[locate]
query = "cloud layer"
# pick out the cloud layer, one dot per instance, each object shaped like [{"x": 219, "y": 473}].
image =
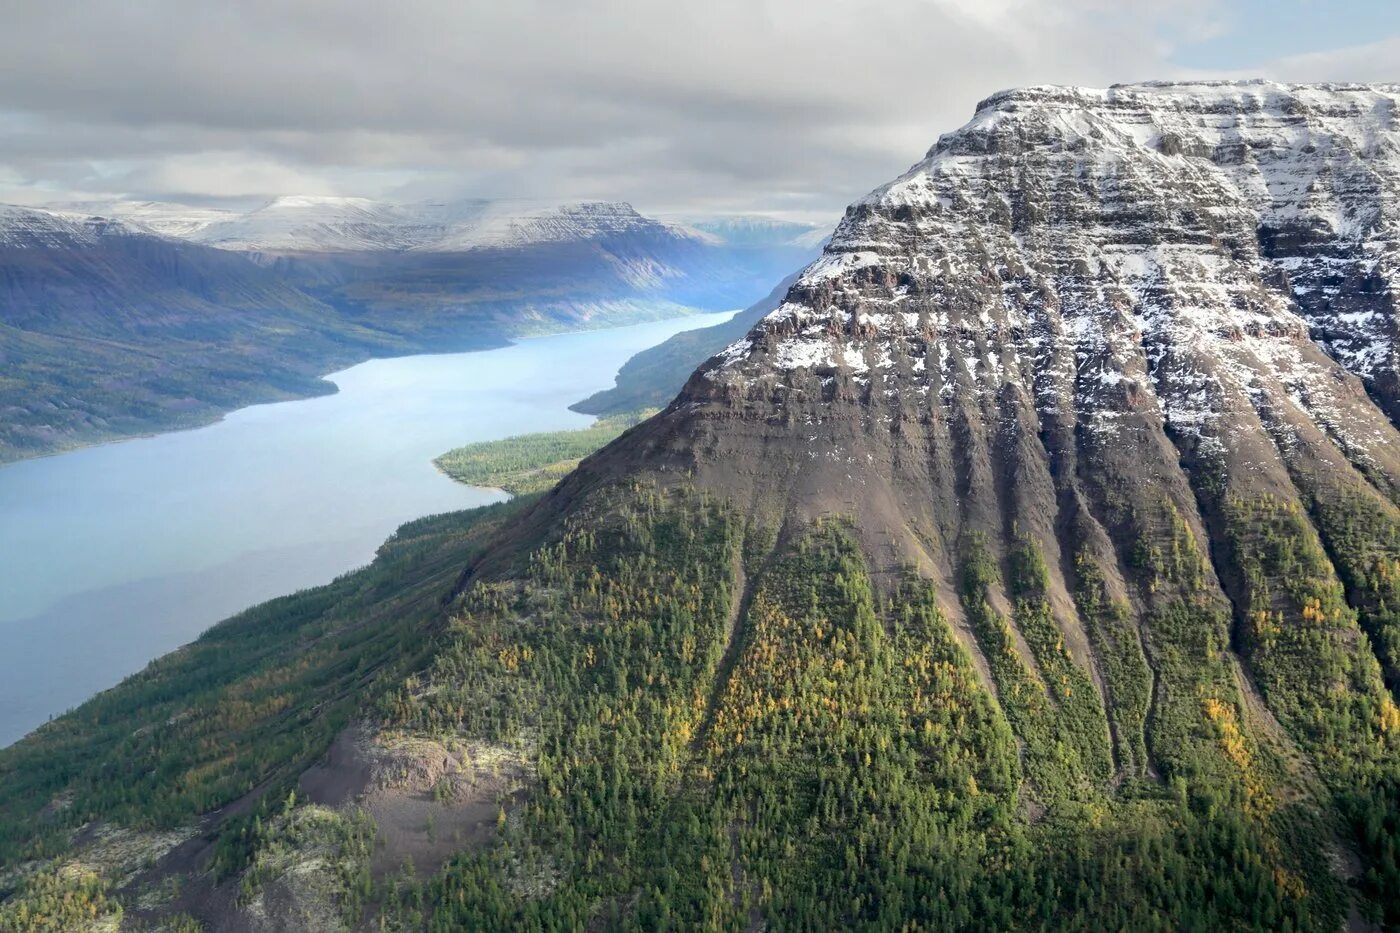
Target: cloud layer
[{"x": 790, "y": 106}]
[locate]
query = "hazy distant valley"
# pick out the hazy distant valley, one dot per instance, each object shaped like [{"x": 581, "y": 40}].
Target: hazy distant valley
[{"x": 121, "y": 318}]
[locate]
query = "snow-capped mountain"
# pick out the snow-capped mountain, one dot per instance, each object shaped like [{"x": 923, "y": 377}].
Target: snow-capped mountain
[
  {"x": 35, "y": 228},
  {"x": 108, "y": 328},
  {"x": 162, "y": 217},
  {"x": 1209, "y": 246},
  {"x": 190, "y": 311},
  {"x": 506, "y": 224},
  {"x": 328, "y": 224},
  {"x": 303, "y": 223},
  {"x": 73, "y": 275},
  {"x": 1150, "y": 331}
]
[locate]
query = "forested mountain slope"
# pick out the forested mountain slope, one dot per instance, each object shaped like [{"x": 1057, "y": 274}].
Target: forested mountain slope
[{"x": 108, "y": 329}]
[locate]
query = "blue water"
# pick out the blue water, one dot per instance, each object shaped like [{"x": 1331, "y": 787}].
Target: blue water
[{"x": 113, "y": 555}]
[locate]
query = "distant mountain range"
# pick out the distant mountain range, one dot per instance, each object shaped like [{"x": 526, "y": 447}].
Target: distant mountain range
[
  {"x": 327, "y": 224},
  {"x": 123, "y": 317}
]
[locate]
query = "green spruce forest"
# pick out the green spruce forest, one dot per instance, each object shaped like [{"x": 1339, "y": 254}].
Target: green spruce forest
[
  {"x": 530, "y": 463},
  {"x": 728, "y": 727}
]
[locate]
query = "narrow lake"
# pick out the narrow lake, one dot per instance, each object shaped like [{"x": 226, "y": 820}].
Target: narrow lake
[{"x": 113, "y": 555}]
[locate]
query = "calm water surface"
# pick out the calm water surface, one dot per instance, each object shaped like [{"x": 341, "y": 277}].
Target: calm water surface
[{"x": 113, "y": 555}]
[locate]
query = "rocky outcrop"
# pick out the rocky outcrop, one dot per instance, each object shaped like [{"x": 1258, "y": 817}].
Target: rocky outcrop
[
  {"x": 1122, "y": 291},
  {"x": 1166, "y": 267}
]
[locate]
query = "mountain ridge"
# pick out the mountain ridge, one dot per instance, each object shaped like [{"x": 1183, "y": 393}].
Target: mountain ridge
[
  {"x": 333, "y": 223},
  {"x": 293, "y": 224}
]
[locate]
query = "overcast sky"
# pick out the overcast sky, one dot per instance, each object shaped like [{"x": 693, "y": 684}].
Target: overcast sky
[{"x": 789, "y": 107}]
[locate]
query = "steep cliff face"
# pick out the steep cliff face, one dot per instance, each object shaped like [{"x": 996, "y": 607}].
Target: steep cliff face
[
  {"x": 1114, "y": 371},
  {"x": 1081, "y": 306},
  {"x": 1180, "y": 269}
]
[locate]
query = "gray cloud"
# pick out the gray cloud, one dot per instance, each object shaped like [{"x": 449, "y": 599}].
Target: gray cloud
[
  {"x": 1372, "y": 61},
  {"x": 790, "y": 105}
]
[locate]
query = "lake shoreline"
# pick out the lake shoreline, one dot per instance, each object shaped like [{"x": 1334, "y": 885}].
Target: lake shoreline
[
  {"x": 125, "y": 550},
  {"x": 218, "y": 415}
]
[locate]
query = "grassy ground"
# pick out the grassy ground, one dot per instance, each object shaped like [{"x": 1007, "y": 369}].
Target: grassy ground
[{"x": 531, "y": 463}]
